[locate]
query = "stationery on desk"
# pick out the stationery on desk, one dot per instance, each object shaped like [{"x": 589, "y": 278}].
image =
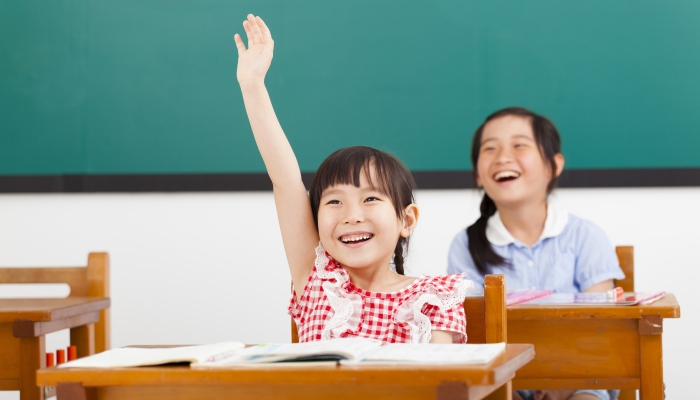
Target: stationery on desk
[
  {"x": 597, "y": 298},
  {"x": 346, "y": 351}
]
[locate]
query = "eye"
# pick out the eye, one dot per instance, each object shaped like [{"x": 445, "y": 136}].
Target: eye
[
  {"x": 333, "y": 202},
  {"x": 489, "y": 148},
  {"x": 371, "y": 198}
]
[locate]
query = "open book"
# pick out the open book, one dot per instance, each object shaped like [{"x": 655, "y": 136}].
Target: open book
[
  {"x": 139, "y": 357},
  {"x": 363, "y": 351},
  {"x": 351, "y": 350}
]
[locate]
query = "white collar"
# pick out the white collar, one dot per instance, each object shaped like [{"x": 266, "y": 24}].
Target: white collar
[{"x": 555, "y": 223}]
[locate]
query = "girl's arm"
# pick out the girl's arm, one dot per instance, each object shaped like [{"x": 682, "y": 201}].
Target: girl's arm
[
  {"x": 299, "y": 234},
  {"x": 601, "y": 287},
  {"x": 444, "y": 337}
]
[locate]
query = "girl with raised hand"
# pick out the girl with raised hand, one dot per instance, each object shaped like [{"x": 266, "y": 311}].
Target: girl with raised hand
[
  {"x": 516, "y": 156},
  {"x": 358, "y": 216}
]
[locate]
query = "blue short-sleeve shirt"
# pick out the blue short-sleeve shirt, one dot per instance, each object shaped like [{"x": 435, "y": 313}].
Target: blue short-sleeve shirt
[{"x": 571, "y": 255}]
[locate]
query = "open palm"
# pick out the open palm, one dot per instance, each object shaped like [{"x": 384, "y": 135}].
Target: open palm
[{"x": 254, "y": 62}]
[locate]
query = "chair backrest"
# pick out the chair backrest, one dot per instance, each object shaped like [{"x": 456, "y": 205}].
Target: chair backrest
[
  {"x": 625, "y": 255},
  {"x": 486, "y": 315},
  {"x": 87, "y": 281}
]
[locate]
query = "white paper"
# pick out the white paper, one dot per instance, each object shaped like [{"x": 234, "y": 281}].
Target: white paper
[
  {"x": 133, "y": 356},
  {"x": 427, "y": 353}
]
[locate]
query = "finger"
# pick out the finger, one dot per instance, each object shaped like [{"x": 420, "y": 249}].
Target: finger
[
  {"x": 239, "y": 44},
  {"x": 248, "y": 33},
  {"x": 256, "y": 29},
  {"x": 263, "y": 27}
]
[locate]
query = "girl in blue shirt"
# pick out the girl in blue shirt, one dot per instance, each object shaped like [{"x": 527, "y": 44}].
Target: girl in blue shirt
[{"x": 516, "y": 156}]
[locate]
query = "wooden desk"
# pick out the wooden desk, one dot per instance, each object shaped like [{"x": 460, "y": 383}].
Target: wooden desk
[
  {"x": 290, "y": 382},
  {"x": 598, "y": 347},
  {"x": 23, "y": 324}
]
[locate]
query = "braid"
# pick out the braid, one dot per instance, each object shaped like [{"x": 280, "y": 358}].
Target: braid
[
  {"x": 479, "y": 246},
  {"x": 398, "y": 255}
]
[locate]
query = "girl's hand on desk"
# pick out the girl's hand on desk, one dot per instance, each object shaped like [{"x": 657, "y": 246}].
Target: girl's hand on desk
[{"x": 254, "y": 62}]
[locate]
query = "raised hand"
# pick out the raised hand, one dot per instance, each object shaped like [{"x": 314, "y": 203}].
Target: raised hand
[{"x": 254, "y": 62}]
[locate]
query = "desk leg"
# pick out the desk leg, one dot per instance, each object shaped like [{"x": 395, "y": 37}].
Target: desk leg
[
  {"x": 83, "y": 337},
  {"x": 70, "y": 391},
  {"x": 32, "y": 358},
  {"x": 504, "y": 392},
  {"x": 651, "y": 358}
]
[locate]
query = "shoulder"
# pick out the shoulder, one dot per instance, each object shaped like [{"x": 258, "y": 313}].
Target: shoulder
[
  {"x": 459, "y": 248},
  {"x": 445, "y": 284},
  {"x": 461, "y": 240},
  {"x": 584, "y": 232}
]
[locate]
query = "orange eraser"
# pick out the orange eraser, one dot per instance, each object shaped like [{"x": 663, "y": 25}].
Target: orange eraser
[
  {"x": 60, "y": 356},
  {"x": 49, "y": 360},
  {"x": 72, "y": 353}
]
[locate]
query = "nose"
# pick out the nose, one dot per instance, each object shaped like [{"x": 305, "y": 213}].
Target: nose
[
  {"x": 504, "y": 155},
  {"x": 353, "y": 214}
]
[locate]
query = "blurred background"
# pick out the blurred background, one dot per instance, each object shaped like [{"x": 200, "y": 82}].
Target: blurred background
[{"x": 122, "y": 129}]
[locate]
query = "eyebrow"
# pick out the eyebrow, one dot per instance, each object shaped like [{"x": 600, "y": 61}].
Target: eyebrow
[
  {"x": 523, "y": 136},
  {"x": 333, "y": 192},
  {"x": 518, "y": 136}
]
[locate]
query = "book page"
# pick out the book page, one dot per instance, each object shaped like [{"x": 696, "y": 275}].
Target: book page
[
  {"x": 351, "y": 348},
  {"x": 134, "y": 356},
  {"x": 427, "y": 353}
]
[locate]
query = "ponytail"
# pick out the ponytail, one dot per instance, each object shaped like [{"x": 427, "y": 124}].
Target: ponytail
[
  {"x": 398, "y": 255},
  {"x": 479, "y": 246}
]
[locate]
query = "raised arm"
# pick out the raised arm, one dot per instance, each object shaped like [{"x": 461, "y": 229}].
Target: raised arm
[{"x": 299, "y": 234}]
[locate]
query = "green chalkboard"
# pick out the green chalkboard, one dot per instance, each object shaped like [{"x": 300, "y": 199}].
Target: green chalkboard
[{"x": 149, "y": 87}]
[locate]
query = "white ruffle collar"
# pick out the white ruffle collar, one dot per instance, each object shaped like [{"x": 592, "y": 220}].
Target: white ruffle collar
[
  {"x": 497, "y": 233},
  {"x": 347, "y": 307}
]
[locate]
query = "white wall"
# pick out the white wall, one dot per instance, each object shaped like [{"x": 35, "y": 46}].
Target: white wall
[{"x": 206, "y": 267}]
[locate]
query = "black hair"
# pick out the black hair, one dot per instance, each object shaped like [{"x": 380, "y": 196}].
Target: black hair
[
  {"x": 549, "y": 143},
  {"x": 393, "y": 179}
]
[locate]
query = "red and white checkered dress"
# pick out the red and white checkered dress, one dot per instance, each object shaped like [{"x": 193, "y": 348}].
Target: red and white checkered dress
[{"x": 333, "y": 307}]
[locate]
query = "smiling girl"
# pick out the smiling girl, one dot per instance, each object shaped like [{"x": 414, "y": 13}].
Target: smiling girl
[
  {"x": 358, "y": 216},
  {"x": 516, "y": 155}
]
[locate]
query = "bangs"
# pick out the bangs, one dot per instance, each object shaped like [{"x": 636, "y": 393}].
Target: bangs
[
  {"x": 384, "y": 173},
  {"x": 348, "y": 172}
]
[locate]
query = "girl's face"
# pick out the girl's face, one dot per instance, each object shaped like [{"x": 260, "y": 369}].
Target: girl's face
[
  {"x": 358, "y": 226},
  {"x": 511, "y": 168}
]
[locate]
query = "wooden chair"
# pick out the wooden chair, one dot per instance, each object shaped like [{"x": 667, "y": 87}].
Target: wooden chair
[
  {"x": 89, "y": 281},
  {"x": 625, "y": 255},
  {"x": 486, "y": 321}
]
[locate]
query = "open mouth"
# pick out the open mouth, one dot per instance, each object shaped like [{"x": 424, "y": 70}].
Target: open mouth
[
  {"x": 356, "y": 237},
  {"x": 505, "y": 176}
]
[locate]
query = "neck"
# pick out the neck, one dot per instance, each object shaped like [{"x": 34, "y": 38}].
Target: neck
[
  {"x": 378, "y": 278},
  {"x": 525, "y": 221}
]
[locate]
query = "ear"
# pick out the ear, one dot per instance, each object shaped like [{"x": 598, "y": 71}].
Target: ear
[
  {"x": 559, "y": 162},
  {"x": 410, "y": 220},
  {"x": 478, "y": 180}
]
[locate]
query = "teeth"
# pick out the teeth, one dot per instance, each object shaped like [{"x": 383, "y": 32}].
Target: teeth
[
  {"x": 355, "y": 238},
  {"x": 506, "y": 175}
]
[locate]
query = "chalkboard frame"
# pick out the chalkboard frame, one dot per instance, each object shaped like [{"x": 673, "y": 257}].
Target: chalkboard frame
[{"x": 238, "y": 182}]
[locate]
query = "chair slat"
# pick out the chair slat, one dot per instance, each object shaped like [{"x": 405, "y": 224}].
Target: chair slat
[
  {"x": 73, "y": 276},
  {"x": 625, "y": 255}
]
